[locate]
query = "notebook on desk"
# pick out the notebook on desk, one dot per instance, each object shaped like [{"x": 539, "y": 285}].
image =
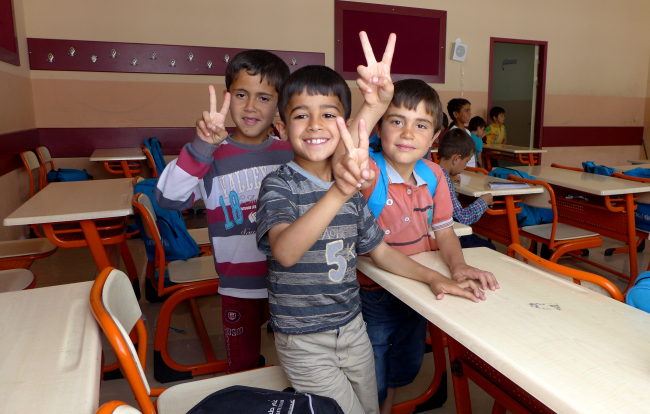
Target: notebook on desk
[{"x": 504, "y": 184}]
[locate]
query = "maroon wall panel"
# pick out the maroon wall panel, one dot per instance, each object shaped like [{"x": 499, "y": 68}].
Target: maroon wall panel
[
  {"x": 125, "y": 52},
  {"x": 592, "y": 136},
  {"x": 8, "y": 41},
  {"x": 12, "y": 144},
  {"x": 421, "y": 37},
  {"x": 81, "y": 142}
]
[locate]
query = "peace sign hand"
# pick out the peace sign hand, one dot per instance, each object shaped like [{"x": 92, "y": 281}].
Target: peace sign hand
[
  {"x": 211, "y": 127},
  {"x": 351, "y": 172},
  {"x": 374, "y": 79}
]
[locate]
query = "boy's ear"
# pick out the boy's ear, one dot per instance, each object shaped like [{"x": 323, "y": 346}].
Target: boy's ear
[
  {"x": 282, "y": 130},
  {"x": 277, "y": 113},
  {"x": 349, "y": 122},
  {"x": 435, "y": 136}
]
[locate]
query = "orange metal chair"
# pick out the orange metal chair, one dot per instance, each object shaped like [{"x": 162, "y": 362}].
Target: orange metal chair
[
  {"x": 31, "y": 163},
  {"x": 475, "y": 169},
  {"x": 152, "y": 164},
  {"x": 576, "y": 275},
  {"x": 190, "y": 279},
  {"x": 560, "y": 237},
  {"x": 44, "y": 158},
  {"x": 116, "y": 310},
  {"x": 567, "y": 168},
  {"x": 117, "y": 407}
]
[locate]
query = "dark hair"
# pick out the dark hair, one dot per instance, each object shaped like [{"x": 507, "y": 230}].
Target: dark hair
[
  {"x": 445, "y": 121},
  {"x": 456, "y": 141},
  {"x": 410, "y": 92},
  {"x": 258, "y": 62},
  {"x": 455, "y": 105},
  {"x": 476, "y": 123},
  {"x": 496, "y": 111},
  {"x": 316, "y": 80}
]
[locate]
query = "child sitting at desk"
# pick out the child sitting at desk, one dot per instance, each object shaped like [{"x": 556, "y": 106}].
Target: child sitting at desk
[
  {"x": 456, "y": 148},
  {"x": 312, "y": 223},
  {"x": 496, "y": 132},
  {"x": 460, "y": 112},
  {"x": 477, "y": 132}
]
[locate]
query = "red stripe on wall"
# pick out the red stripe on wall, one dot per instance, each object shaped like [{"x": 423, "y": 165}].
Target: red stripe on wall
[
  {"x": 12, "y": 144},
  {"x": 579, "y": 136}
]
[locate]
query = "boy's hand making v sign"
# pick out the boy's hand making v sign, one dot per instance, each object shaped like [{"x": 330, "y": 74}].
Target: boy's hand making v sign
[
  {"x": 347, "y": 178},
  {"x": 211, "y": 127}
]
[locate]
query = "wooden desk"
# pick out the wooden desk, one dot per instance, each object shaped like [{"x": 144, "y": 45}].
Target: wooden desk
[
  {"x": 586, "y": 201},
  {"x": 459, "y": 229},
  {"x": 119, "y": 160},
  {"x": 499, "y": 222},
  {"x": 512, "y": 153},
  {"x": 639, "y": 161},
  {"x": 50, "y": 351},
  {"x": 83, "y": 202},
  {"x": 574, "y": 350}
]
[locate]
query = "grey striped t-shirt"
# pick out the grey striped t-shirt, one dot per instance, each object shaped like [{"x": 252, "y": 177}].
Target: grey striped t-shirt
[{"x": 320, "y": 292}]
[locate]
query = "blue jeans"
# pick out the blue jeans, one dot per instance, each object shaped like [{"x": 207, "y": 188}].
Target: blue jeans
[{"x": 397, "y": 334}]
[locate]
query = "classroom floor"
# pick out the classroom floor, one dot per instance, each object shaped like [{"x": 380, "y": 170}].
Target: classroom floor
[{"x": 77, "y": 265}]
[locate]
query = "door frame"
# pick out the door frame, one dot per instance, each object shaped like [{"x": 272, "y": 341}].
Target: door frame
[{"x": 541, "y": 83}]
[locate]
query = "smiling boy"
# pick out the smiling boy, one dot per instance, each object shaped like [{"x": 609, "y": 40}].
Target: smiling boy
[{"x": 226, "y": 171}]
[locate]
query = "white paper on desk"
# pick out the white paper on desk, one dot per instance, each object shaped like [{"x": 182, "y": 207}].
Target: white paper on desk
[
  {"x": 503, "y": 184},
  {"x": 464, "y": 180}
]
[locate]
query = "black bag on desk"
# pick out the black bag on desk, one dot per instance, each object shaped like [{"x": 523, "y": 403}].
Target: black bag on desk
[{"x": 246, "y": 400}]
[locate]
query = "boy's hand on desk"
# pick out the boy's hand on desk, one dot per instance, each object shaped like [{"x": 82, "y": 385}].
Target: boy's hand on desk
[
  {"x": 374, "y": 80},
  {"x": 351, "y": 172},
  {"x": 211, "y": 127},
  {"x": 464, "y": 272},
  {"x": 467, "y": 289}
]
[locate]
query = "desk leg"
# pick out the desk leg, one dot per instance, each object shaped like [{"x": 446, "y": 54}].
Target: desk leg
[
  {"x": 459, "y": 379},
  {"x": 631, "y": 242},
  {"x": 512, "y": 219},
  {"x": 95, "y": 244},
  {"x": 125, "y": 167}
]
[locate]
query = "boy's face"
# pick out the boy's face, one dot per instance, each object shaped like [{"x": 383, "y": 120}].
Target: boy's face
[
  {"x": 480, "y": 132},
  {"x": 464, "y": 115},
  {"x": 253, "y": 105},
  {"x": 459, "y": 164},
  {"x": 500, "y": 119},
  {"x": 406, "y": 135},
  {"x": 311, "y": 126}
]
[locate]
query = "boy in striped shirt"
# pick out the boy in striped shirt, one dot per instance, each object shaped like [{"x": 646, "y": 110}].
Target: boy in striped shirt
[{"x": 226, "y": 171}]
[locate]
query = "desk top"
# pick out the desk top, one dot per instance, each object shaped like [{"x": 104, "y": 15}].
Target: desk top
[
  {"x": 575, "y": 350},
  {"x": 459, "y": 229},
  {"x": 117, "y": 154},
  {"x": 50, "y": 351},
  {"x": 475, "y": 184},
  {"x": 513, "y": 149},
  {"x": 76, "y": 200},
  {"x": 623, "y": 168},
  {"x": 639, "y": 161},
  {"x": 586, "y": 182}
]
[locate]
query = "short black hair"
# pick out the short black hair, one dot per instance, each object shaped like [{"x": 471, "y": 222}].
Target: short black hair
[
  {"x": 455, "y": 105},
  {"x": 496, "y": 111},
  {"x": 258, "y": 62},
  {"x": 445, "y": 121},
  {"x": 410, "y": 92},
  {"x": 476, "y": 123},
  {"x": 456, "y": 141},
  {"x": 316, "y": 80}
]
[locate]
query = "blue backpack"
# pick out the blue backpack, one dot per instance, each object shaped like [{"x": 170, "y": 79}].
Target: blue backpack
[
  {"x": 529, "y": 216},
  {"x": 68, "y": 174},
  {"x": 639, "y": 295},
  {"x": 590, "y": 167},
  {"x": 177, "y": 242},
  {"x": 642, "y": 213},
  {"x": 153, "y": 144},
  {"x": 379, "y": 196}
]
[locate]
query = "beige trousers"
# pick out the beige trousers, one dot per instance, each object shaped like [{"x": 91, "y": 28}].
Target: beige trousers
[{"x": 338, "y": 364}]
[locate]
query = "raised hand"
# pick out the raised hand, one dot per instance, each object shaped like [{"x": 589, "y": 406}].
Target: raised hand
[
  {"x": 375, "y": 82},
  {"x": 211, "y": 127},
  {"x": 351, "y": 171}
]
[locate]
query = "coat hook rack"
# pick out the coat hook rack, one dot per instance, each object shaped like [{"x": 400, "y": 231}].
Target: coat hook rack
[
  {"x": 71, "y": 51},
  {"x": 113, "y": 53},
  {"x": 50, "y": 57}
]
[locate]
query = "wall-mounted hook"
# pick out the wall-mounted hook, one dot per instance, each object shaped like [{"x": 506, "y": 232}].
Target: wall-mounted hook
[
  {"x": 93, "y": 58},
  {"x": 226, "y": 58},
  {"x": 50, "y": 57},
  {"x": 113, "y": 53},
  {"x": 172, "y": 63},
  {"x": 152, "y": 55},
  {"x": 134, "y": 62},
  {"x": 71, "y": 51},
  {"x": 209, "y": 64},
  {"x": 293, "y": 62},
  {"x": 190, "y": 57}
]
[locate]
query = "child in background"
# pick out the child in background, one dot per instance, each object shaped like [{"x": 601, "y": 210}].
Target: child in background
[
  {"x": 456, "y": 149},
  {"x": 312, "y": 225},
  {"x": 226, "y": 171},
  {"x": 496, "y": 132},
  {"x": 460, "y": 112},
  {"x": 477, "y": 132}
]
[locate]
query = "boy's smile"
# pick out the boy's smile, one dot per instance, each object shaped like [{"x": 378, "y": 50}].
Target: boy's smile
[
  {"x": 311, "y": 128},
  {"x": 252, "y": 107},
  {"x": 464, "y": 115}
]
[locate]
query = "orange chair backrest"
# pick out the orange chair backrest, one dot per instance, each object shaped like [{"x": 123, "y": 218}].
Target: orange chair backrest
[
  {"x": 116, "y": 309},
  {"x": 44, "y": 157},
  {"x": 567, "y": 271},
  {"x": 31, "y": 163},
  {"x": 476, "y": 169},
  {"x": 152, "y": 164}
]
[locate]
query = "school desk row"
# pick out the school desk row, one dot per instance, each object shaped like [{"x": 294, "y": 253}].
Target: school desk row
[{"x": 571, "y": 349}]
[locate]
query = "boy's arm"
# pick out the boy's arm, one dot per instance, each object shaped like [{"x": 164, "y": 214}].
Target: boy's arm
[
  {"x": 178, "y": 186},
  {"x": 505, "y": 137},
  {"x": 465, "y": 215},
  {"x": 396, "y": 262}
]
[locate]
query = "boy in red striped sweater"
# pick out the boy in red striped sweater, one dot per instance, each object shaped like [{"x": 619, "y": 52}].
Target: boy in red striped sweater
[{"x": 226, "y": 171}]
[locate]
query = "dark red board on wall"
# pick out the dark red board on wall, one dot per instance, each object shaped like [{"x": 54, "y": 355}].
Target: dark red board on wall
[
  {"x": 421, "y": 39},
  {"x": 8, "y": 41}
]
